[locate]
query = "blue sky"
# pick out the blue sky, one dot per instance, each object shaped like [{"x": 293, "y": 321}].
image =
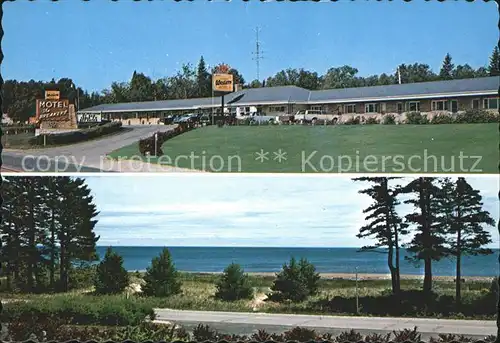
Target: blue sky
[
  {"x": 242, "y": 210},
  {"x": 98, "y": 42}
]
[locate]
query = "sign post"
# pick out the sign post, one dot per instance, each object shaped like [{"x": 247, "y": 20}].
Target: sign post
[
  {"x": 222, "y": 83},
  {"x": 156, "y": 144}
]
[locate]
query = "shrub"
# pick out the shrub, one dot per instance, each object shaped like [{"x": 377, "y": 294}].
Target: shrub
[
  {"x": 111, "y": 277},
  {"x": 161, "y": 279},
  {"x": 371, "y": 121},
  {"x": 407, "y": 335},
  {"x": 389, "y": 120},
  {"x": 233, "y": 284},
  {"x": 476, "y": 117},
  {"x": 349, "y": 336},
  {"x": 442, "y": 119},
  {"x": 202, "y": 333},
  {"x": 82, "y": 310},
  {"x": 352, "y": 121},
  {"x": 416, "y": 118},
  {"x": 76, "y": 136},
  {"x": 82, "y": 276},
  {"x": 147, "y": 145},
  {"x": 295, "y": 282},
  {"x": 299, "y": 334}
]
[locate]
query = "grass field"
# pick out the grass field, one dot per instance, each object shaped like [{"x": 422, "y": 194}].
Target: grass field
[
  {"x": 457, "y": 148},
  {"x": 198, "y": 294}
]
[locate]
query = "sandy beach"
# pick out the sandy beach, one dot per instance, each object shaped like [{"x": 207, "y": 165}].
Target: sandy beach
[{"x": 364, "y": 276}]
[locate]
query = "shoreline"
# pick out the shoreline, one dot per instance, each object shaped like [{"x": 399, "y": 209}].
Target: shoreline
[{"x": 352, "y": 276}]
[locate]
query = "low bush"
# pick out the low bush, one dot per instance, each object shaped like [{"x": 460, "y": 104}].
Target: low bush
[
  {"x": 147, "y": 145},
  {"x": 476, "y": 117},
  {"x": 442, "y": 119},
  {"x": 81, "y": 310},
  {"x": 77, "y": 136},
  {"x": 389, "y": 120},
  {"x": 352, "y": 121},
  {"x": 14, "y": 129},
  {"x": 233, "y": 284},
  {"x": 416, "y": 118},
  {"x": 371, "y": 121}
]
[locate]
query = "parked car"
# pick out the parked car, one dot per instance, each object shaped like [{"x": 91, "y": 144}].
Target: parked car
[
  {"x": 261, "y": 118},
  {"x": 311, "y": 115}
]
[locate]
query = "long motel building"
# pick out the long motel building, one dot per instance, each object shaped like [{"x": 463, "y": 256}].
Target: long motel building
[{"x": 430, "y": 98}]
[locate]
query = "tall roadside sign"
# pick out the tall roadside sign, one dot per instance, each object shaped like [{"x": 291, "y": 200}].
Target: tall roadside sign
[{"x": 222, "y": 82}]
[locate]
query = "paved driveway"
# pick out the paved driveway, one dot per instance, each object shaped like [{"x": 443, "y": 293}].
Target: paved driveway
[{"x": 83, "y": 157}]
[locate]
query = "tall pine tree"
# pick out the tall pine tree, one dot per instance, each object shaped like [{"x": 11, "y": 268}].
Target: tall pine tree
[
  {"x": 494, "y": 66},
  {"x": 463, "y": 217},
  {"x": 203, "y": 82},
  {"x": 446, "y": 72},
  {"x": 428, "y": 243},
  {"x": 384, "y": 224}
]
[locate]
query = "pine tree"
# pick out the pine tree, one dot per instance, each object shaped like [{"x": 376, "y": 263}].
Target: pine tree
[
  {"x": 233, "y": 284},
  {"x": 162, "y": 278},
  {"x": 296, "y": 281},
  {"x": 494, "y": 66},
  {"x": 428, "y": 243},
  {"x": 111, "y": 277},
  {"x": 446, "y": 72},
  {"x": 384, "y": 224},
  {"x": 203, "y": 79},
  {"x": 463, "y": 217}
]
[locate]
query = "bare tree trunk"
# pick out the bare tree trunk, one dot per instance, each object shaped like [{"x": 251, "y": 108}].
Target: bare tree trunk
[{"x": 458, "y": 281}]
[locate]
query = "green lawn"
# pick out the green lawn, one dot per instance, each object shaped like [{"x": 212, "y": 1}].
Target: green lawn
[{"x": 457, "y": 148}]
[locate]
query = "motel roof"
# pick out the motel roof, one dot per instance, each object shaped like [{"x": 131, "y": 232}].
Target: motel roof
[{"x": 297, "y": 95}]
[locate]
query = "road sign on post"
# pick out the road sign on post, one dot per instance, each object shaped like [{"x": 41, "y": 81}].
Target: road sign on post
[{"x": 222, "y": 83}]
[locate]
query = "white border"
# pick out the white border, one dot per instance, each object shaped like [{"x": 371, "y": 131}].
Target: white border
[{"x": 256, "y": 175}]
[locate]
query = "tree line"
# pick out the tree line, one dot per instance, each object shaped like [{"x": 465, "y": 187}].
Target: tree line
[
  {"x": 193, "y": 82},
  {"x": 46, "y": 232},
  {"x": 448, "y": 220}
]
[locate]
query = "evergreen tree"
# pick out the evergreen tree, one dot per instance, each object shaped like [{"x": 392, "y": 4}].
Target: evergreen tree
[
  {"x": 494, "y": 66},
  {"x": 203, "y": 80},
  {"x": 162, "y": 279},
  {"x": 111, "y": 277},
  {"x": 446, "y": 72},
  {"x": 233, "y": 284},
  {"x": 463, "y": 217},
  {"x": 428, "y": 243},
  {"x": 296, "y": 281},
  {"x": 384, "y": 224}
]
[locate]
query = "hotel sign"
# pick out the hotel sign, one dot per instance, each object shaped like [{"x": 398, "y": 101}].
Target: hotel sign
[
  {"x": 89, "y": 118},
  {"x": 52, "y": 95},
  {"x": 222, "y": 82},
  {"x": 52, "y": 110}
]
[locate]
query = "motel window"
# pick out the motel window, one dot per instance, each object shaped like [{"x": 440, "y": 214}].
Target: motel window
[
  {"x": 371, "y": 108},
  {"x": 277, "y": 109},
  {"x": 440, "y": 105},
  {"x": 317, "y": 108},
  {"x": 413, "y": 106},
  {"x": 454, "y": 106},
  {"x": 475, "y": 104},
  {"x": 350, "y": 108},
  {"x": 490, "y": 104},
  {"x": 400, "y": 107}
]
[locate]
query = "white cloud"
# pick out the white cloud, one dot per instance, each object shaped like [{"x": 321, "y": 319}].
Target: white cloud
[{"x": 204, "y": 209}]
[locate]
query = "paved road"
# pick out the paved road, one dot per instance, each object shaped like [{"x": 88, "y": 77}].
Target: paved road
[
  {"x": 246, "y": 323},
  {"x": 82, "y": 157}
]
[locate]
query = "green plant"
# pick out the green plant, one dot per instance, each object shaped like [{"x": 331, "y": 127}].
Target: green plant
[
  {"x": 349, "y": 336},
  {"x": 82, "y": 276},
  {"x": 202, "y": 333},
  {"x": 416, "y": 118},
  {"x": 295, "y": 281},
  {"x": 476, "y": 117},
  {"x": 372, "y": 121},
  {"x": 299, "y": 334},
  {"x": 389, "y": 119},
  {"x": 407, "y": 335},
  {"x": 111, "y": 276},
  {"x": 161, "y": 279},
  {"x": 442, "y": 119},
  {"x": 233, "y": 284}
]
